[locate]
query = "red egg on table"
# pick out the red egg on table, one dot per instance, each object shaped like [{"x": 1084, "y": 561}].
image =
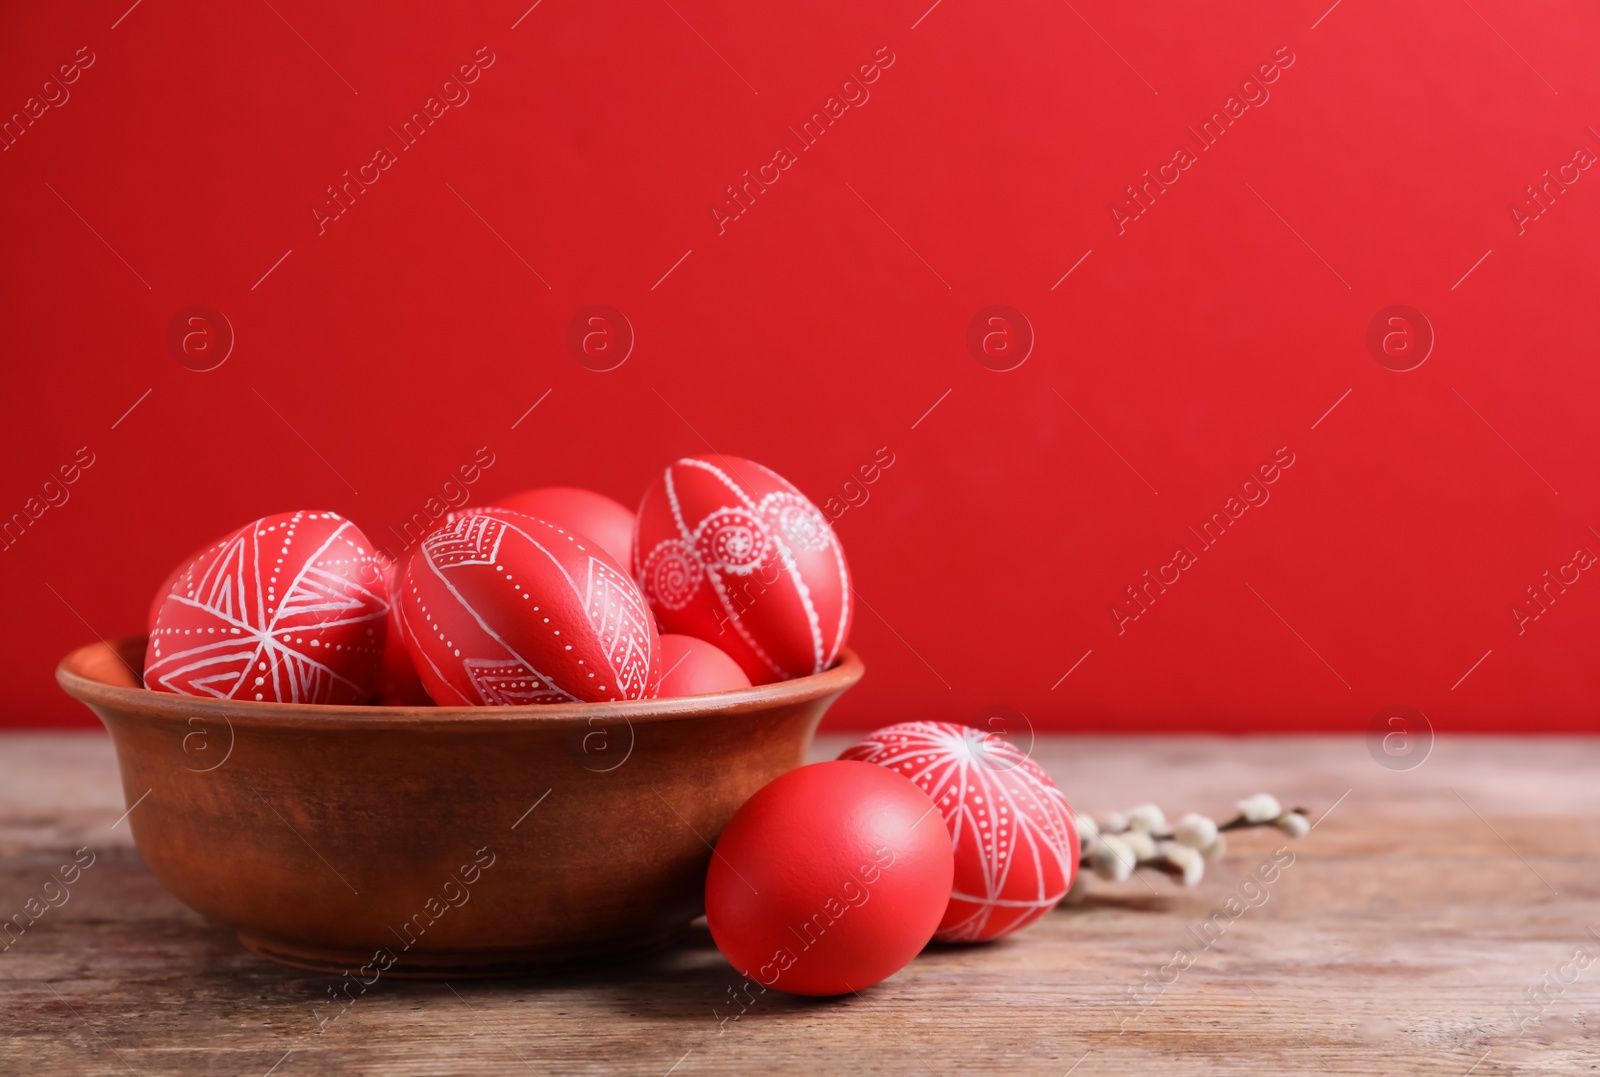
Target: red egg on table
[
  {"x": 1011, "y": 831},
  {"x": 584, "y": 511},
  {"x": 828, "y": 880},
  {"x": 729, "y": 551},
  {"x": 501, "y": 609},
  {"x": 290, "y": 608},
  {"x": 693, "y": 667}
]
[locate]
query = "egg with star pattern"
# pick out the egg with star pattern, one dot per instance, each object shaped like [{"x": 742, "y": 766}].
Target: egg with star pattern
[
  {"x": 1011, "y": 831},
  {"x": 290, "y": 608}
]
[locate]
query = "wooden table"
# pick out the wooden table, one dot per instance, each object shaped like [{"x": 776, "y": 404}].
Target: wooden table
[{"x": 1404, "y": 938}]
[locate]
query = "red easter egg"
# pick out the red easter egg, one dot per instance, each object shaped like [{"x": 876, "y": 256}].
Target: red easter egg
[
  {"x": 501, "y": 609},
  {"x": 1015, "y": 845},
  {"x": 584, "y": 511},
  {"x": 476, "y": 510},
  {"x": 728, "y": 551},
  {"x": 696, "y": 668},
  {"x": 289, "y": 608},
  {"x": 828, "y": 880},
  {"x": 401, "y": 685},
  {"x": 167, "y": 584}
]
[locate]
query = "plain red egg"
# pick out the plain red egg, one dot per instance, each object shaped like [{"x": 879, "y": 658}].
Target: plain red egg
[
  {"x": 694, "y": 667},
  {"x": 828, "y": 880},
  {"x": 729, "y": 551},
  {"x": 584, "y": 511},
  {"x": 289, "y": 608},
  {"x": 1015, "y": 845},
  {"x": 401, "y": 685},
  {"x": 501, "y": 609}
]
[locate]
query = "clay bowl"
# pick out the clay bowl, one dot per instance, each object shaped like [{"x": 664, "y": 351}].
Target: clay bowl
[{"x": 441, "y": 841}]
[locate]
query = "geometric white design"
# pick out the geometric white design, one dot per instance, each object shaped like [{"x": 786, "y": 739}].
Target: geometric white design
[
  {"x": 260, "y": 616},
  {"x": 1015, "y": 845},
  {"x": 511, "y": 683},
  {"x": 621, "y": 621},
  {"x": 468, "y": 540},
  {"x": 490, "y": 605}
]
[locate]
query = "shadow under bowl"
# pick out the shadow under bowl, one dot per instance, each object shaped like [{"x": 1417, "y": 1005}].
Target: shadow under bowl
[{"x": 437, "y": 842}]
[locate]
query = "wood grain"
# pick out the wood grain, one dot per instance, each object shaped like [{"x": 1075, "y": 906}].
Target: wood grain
[{"x": 1410, "y": 923}]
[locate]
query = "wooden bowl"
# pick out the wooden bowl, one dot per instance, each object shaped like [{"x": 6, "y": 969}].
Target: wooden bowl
[{"x": 441, "y": 841}]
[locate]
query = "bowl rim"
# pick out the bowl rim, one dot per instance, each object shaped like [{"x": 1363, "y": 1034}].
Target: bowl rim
[{"x": 74, "y": 676}]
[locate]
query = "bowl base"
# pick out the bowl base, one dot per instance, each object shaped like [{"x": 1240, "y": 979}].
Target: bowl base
[{"x": 460, "y": 964}]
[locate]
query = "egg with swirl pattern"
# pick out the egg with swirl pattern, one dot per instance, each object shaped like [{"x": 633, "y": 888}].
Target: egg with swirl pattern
[{"x": 731, "y": 552}]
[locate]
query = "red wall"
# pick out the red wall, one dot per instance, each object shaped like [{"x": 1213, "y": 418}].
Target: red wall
[{"x": 1202, "y": 338}]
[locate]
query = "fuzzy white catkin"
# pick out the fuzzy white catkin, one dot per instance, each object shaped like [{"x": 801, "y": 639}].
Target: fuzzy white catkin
[
  {"x": 1142, "y": 844},
  {"x": 1088, "y": 829},
  {"x": 1111, "y": 858},
  {"x": 1217, "y": 849},
  {"x": 1294, "y": 824},
  {"x": 1113, "y": 822},
  {"x": 1261, "y": 808},
  {"x": 1187, "y": 860},
  {"x": 1147, "y": 817},
  {"x": 1195, "y": 830}
]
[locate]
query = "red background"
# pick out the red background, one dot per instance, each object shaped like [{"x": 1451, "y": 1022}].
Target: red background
[{"x": 826, "y": 321}]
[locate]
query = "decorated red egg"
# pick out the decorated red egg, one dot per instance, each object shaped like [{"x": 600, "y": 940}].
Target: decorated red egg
[
  {"x": 693, "y": 667},
  {"x": 1015, "y": 846},
  {"x": 167, "y": 584},
  {"x": 828, "y": 880},
  {"x": 729, "y": 551},
  {"x": 290, "y": 608},
  {"x": 583, "y": 511},
  {"x": 402, "y": 687},
  {"x": 501, "y": 609}
]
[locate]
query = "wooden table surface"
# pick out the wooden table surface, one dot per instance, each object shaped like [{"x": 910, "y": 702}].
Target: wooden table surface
[{"x": 1441, "y": 920}]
